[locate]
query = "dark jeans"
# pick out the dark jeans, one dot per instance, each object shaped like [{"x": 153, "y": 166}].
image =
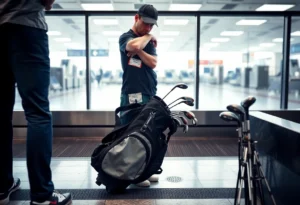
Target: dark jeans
[
  {"x": 125, "y": 101},
  {"x": 24, "y": 60}
]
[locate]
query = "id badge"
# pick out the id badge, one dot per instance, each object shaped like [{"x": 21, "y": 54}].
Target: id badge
[
  {"x": 135, "y": 62},
  {"x": 135, "y": 98}
]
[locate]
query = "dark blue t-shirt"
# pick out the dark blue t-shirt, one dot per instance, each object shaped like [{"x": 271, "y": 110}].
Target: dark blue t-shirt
[{"x": 137, "y": 79}]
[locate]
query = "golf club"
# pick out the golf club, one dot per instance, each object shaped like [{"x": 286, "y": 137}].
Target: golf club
[
  {"x": 230, "y": 117},
  {"x": 189, "y": 103},
  {"x": 239, "y": 110},
  {"x": 187, "y": 114},
  {"x": 185, "y": 122},
  {"x": 182, "y": 98},
  {"x": 246, "y": 105},
  {"x": 179, "y": 85}
]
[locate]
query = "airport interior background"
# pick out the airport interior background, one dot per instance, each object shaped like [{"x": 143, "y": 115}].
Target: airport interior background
[
  {"x": 243, "y": 51},
  {"x": 239, "y": 55}
]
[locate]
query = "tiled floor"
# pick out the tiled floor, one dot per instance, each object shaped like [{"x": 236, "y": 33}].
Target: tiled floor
[{"x": 195, "y": 172}]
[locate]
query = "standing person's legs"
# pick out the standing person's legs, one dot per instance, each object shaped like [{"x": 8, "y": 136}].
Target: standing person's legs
[
  {"x": 7, "y": 84},
  {"x": 31, "y": 67}
]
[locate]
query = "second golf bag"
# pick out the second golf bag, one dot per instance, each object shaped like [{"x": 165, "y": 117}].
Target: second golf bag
[{"x": 133, "y": 152}]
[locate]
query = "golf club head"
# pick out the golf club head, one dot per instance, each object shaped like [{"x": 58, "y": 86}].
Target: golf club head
[
  {"x": 181, "y": 85},
  {"x": 188, "y": 98},
  {"x": 230, "y": 117},
  {"x": 189, "y": 103},
  {"x": 189, "y": 114},
  {"x": 182, "y": 98},
  {"x": 185, "y": 128},
  {"x": 178, "y": 121},
  {"x": 250, "y": 100},
  {"x": 238, "y": 109},
  {"x": 184, "y": 120},
  {"x": 195, "y": 121}
]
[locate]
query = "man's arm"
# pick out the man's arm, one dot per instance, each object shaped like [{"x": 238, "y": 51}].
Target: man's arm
[
  {"x": 137, "y": 44},
  {"x": 149, "y": 60}
]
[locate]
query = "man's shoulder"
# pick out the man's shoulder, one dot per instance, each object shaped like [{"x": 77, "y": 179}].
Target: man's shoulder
[{"x": 127, "y": 34}]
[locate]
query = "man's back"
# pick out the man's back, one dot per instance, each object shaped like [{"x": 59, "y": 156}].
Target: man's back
[{"x": 23, "y": 12}]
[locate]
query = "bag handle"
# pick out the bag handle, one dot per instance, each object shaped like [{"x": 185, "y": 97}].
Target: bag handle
[{"x": 124, "y": 108}]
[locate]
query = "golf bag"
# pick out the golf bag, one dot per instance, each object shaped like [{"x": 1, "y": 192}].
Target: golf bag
[{"x": 133, "y": 152}]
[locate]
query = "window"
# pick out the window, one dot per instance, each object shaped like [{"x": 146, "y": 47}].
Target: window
[
  {"x": 294, "y": 74},
  {"x": 175, "y": 50},
  {"x": 67, "y": 90},
  {"x": 240, "y": 56}
]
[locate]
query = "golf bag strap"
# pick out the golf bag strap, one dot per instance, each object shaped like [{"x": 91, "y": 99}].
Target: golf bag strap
[
  {"x": 172, "y": 128},
  {"x": 124, "y": 108}
]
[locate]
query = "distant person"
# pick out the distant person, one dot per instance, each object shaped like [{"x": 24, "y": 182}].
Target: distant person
[
  {"x": 138, "y": 59},
  {"x": 24, "y": 57},
  {"x": 99, "y": 76}
]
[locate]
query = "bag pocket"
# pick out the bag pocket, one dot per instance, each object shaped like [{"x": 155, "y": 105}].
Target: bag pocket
[{"x": 127, "y": 159}]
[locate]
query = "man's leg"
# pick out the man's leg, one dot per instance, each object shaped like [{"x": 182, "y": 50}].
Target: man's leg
[
  {"x": 31, "y": 67},
  {"x": 7, "y": 85}
]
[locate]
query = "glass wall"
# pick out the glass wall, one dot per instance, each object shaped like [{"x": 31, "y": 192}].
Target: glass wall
[
  {"x": 240, "y": 56},
  {"x": 294, "y": 74},
  {"x": 67, "y": 90},
  {"x": 175, "y": 49}
]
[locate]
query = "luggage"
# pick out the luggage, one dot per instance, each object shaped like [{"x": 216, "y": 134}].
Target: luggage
[{"x": 133, "y": 152}]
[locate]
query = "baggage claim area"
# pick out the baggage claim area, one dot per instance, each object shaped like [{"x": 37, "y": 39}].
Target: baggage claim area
[{"x": 237, "y": 60}]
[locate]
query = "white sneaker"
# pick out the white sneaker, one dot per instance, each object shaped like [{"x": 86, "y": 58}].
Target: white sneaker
[
  {"x": 145, "y": 183},
  {"x": 154, "y": 178},
  {"x": 57, "y": 199}
]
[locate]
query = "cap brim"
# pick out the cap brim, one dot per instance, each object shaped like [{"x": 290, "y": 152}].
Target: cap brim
[{"x": 149, "y": 20}]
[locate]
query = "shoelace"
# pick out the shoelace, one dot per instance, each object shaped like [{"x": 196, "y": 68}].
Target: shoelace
[{"x": 58, "y": 195}]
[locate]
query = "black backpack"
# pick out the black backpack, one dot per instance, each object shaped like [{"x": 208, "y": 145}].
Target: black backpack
[{"x": 133, "y": 152}]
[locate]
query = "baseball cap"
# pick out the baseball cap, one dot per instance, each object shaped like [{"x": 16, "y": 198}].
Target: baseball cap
[{"x": 148, "y": 14}]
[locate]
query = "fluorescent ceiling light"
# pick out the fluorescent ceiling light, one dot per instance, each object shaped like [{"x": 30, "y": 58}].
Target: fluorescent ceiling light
[
  {"x": 279, "y": 40},
  {"x": 54, "y": 33},
  {"x": 176, "y": 21},
  {"x": 232, "y": 33},
  {"x": 210, "y": 45},
  {"x": 97, "y": 7},
  {"x": 105, "y": 21},
  {"x": 62, "y": 39},
  {"x": 169, "y": 33},
  {"x": 275, "y": 7},
  {"x": 245, "y": 22},
  {"x": 165, "y": 39},
  {"x": 220, "y": 39},
  {"x": 185, "y": 7},
  {"x": 296, "y": 33},
  {"x": 267, "y": 44},
  {"x": 112, "y": 33}
]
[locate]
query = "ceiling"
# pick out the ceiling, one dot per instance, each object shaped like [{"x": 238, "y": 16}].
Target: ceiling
[{"x": 73, "y": 27}]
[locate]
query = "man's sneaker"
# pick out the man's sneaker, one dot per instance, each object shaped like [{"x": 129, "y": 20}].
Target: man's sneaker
[
  {"x": 145, "y": 183},
  {"x": 57, "y": 199},
  {"x": 4, "y": 197},
  {"x": 154, "y": 178}
]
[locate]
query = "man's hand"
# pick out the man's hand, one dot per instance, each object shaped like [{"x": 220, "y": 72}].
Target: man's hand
[
  {"x": 154, "y": 41},
  {"x": 131, "y": 54},
  {"x": 48, "y": 4}
]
